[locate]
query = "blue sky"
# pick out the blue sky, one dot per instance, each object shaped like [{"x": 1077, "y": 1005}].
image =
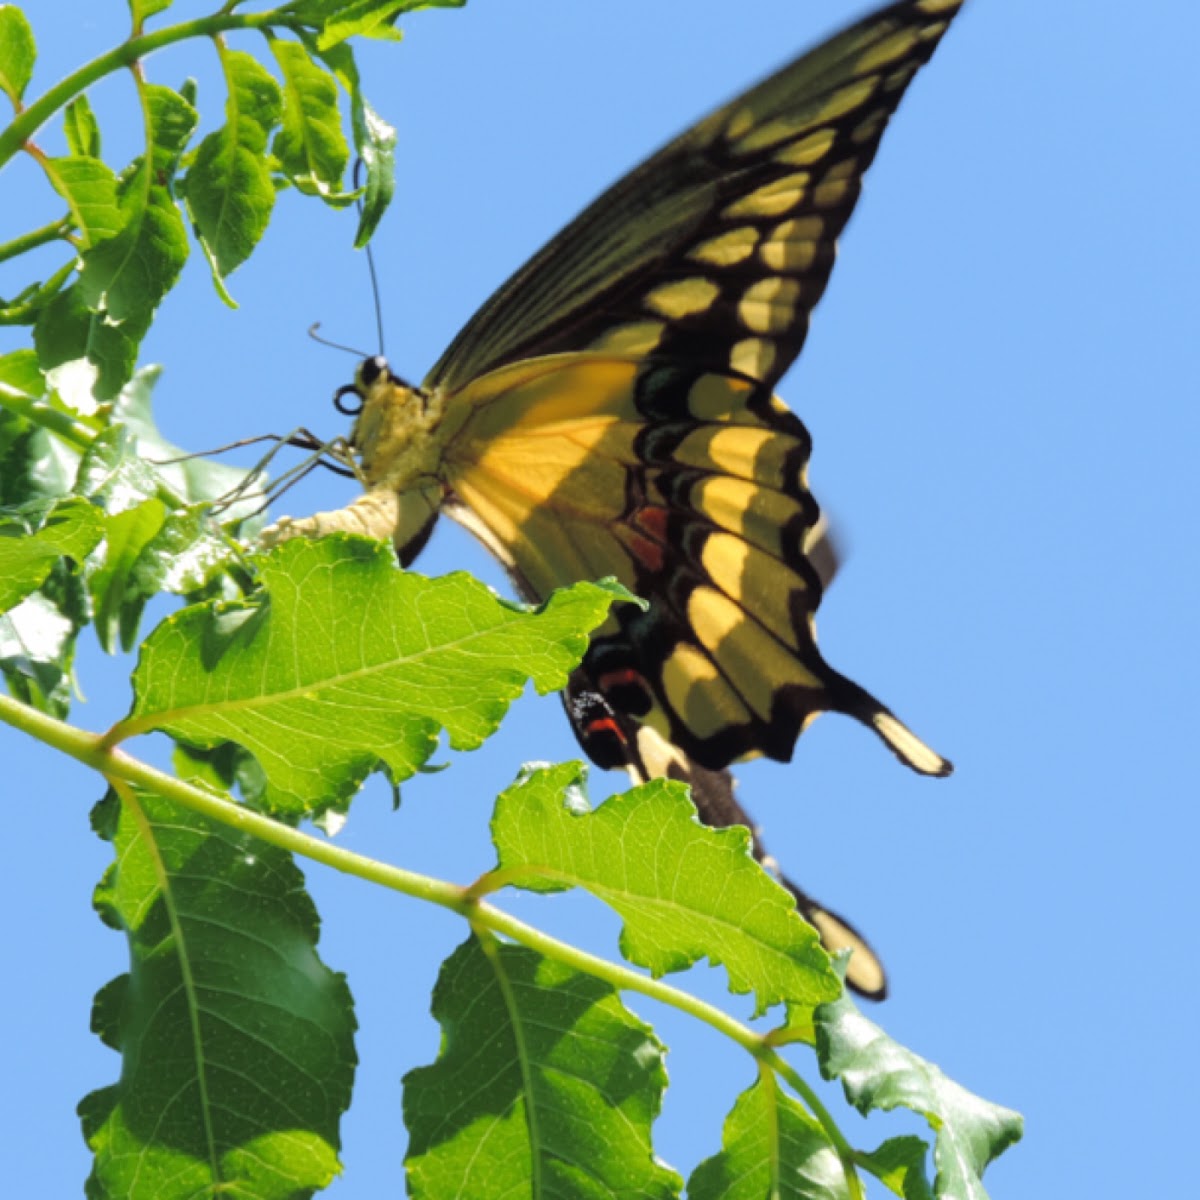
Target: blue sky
[{"x": 1001, "y": 387}]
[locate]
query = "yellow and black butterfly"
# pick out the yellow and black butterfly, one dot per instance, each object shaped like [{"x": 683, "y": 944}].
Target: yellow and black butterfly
[{"x": 610, "y": 412}]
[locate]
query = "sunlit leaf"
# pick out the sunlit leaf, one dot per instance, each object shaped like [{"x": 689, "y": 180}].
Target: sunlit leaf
[
  {"x": 310, "y": 147},
  {"x": 18, "y": 52},
  {"x": 35, "y": 537},
  {"x": 545, "y": 1085},
  {"x": 90, "y": 189},
  {"x": 81, "y": 128},
  {"x": 229, "y": 190},
  {"x": 684, "y": 891},
  {"x": 344, "y": 664}
]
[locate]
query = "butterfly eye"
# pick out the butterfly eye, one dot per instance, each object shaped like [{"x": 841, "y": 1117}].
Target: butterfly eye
[
  {"x": 372, "y": 368},
  {"x": 348, "y": 408}
]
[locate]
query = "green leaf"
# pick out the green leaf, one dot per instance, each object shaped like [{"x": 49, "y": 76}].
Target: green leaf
[
  {"x": 67, "y": 331},
  {"x": 343, "y": 664},
  {"x": 81, "y": 128},
  {"x": 19, "y": 369},
  {"x": 126, "y": 276},
  {"x": 229, "y": 191},
  {"x": 877, "y": 1072},
  {"x": 311, "y": 147},
  {"x": 142, "y": 10},
  {"x": 35, "y": 537},
  {"x": 546, "y": 1085},
  {"x": 375, "y": 141},
  {"x": 899, "y": 1164},
  {"x": 771, "y": 1147},
  {"x": 339, "y": 20},
  {"x": 18, "y": 52},
  {"x": 236, "y": 1040},
  {"x": 90, "y": 189},
  {"x": 129, "y": 532},
  {"x": 37, "y": 641},
  {"x": 684, "y": 891}
]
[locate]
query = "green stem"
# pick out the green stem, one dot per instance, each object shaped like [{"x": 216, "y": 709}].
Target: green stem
[
  {"x": 38, "y": 412},
  {"x": 27, "y": 123},
  {"x": 845, "y": 1151},
  {"x": 90, "y": 749},
  {"x": 36, "y": 237}
]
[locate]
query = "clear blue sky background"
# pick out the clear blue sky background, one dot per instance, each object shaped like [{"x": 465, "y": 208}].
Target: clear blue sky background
[{"x": 1001, "y": 384}]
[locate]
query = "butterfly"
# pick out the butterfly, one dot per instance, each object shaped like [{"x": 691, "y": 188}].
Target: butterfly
[{"x": 610, "y": 411}]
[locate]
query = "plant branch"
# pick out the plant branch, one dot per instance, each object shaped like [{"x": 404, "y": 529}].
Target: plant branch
[
  {"x": 92, "y": 750},
  {"x": 55, "y": 231},
  {"x": 27, "y": 123},
  {"x": 38, "y": 412}
]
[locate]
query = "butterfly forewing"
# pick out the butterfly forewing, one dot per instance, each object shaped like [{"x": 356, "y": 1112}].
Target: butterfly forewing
[{"x": 715, "y": 250}]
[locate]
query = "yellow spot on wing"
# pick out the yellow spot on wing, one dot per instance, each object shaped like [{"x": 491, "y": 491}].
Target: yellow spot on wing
[
  {"x": 769, "y": 306},
  {"x": 807, "y": 150},
  {"x": 753, "y": 356},
  {"x": 792, "y": 245},
  {"x": 771, "y": 200},
  {"x": 696, "y": 692},
  {"x": 729, "y": 249},
  {"x": 846, "y": 99},
  {"x": 888, "y": 51},
  {"x": 638, "y": 337},
  {"x": 683, "y": 297}
]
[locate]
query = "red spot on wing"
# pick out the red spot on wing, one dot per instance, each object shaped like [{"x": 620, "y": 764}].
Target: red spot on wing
[{"x": 646, "y": 542}]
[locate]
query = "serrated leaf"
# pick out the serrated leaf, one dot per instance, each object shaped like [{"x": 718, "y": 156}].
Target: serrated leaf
[
  {"x": 34, "y": 537},
  {"x": 684, "y": 891},
  {"x": 81, "y": 128},
  {"x": 18, "y": 52},
  {"x": 877, "y": 1072},
  {"x": 343, "y": 664},
  {"x": 236, "y": 1039},
  {"x": 770, "y": 1147},
  {"x": 899, "y": 1164},
  {"x": 310, "y": 147},
  {"x": 126, "y": 276},
  {"x": 229, "y": 191},
  {"x": 90, "y": 189},
  {"x": 546, "y": 1085}
]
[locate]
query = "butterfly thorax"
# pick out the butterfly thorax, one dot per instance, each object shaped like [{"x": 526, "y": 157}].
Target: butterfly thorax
[{"x": 401, "y": 431}]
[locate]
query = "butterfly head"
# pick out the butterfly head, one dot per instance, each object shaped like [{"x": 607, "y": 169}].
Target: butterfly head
[{"x": 395, "y": 426}]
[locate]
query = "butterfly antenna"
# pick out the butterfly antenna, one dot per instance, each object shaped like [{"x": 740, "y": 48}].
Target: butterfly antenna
[{"x": 324, "y": 341}]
